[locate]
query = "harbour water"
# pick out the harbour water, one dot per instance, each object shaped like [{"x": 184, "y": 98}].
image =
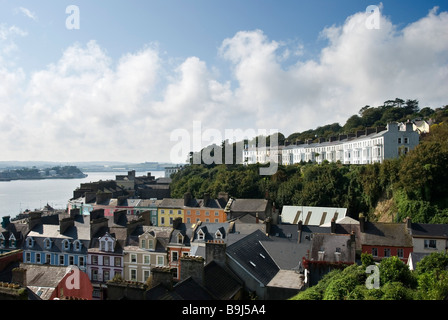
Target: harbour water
[{"x": 18, "y": 195}]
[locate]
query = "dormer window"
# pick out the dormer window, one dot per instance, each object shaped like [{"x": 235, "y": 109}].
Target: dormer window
[
  {"x": 47, "y": 243},
  {"x": 29, "y": 242},
  {"x": 218, "y": 235},
  {"x": 107, "y": 243},
  {"x": 66, "y": 244},
  {"x": 180, "y": 238},
  {"x": 201, "y": 235},
  {"x": 77, "y": 245}
]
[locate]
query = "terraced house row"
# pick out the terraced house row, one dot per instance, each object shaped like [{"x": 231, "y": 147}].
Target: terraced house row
[{"x": 363, "y": 147}]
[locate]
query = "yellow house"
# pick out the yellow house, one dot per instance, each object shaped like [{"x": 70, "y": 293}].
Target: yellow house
[{"x": 168, "y": 210}]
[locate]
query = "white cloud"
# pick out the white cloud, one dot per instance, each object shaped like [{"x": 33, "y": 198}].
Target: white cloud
[
  {"x": 86, "y": 106},
  {"x": 27, "y": 13}
]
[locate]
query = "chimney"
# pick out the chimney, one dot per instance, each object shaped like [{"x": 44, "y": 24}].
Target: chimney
[
  {"x": 19, "y": 276},
  {"x": 352, "y": 237},
  {"x": 146, "y": 215},
  {"x": 34, "y": 218},
  {"x": 192, "y": 266},
  {"x": 102, "y": 197},
  {"x": 131, "y": 175},
  {"x": 362, "y": 222},
  {"x": 342, "y": 137},
  {"x": 96, "y": 214},
  {"x": 187, "y": 198},
  {"x": 215, "y": 250},
  {"x": 206, "y": 199},
  {"x": 119, "y": 215},
  {"x": 96, "y": 224},
  {"x": 408, "y": 223},
  {"x": 132, "y": 225},
  {"x": 333, "y": 226},
  {"x": 65, "y": 222},
  {"x": 257, "y": 219},
  {"x": 5, "y": 221},
  {"x": 163, "y": 276},
  {"x": 224, "y": 196},
  {"x": 299, "y": 230}
]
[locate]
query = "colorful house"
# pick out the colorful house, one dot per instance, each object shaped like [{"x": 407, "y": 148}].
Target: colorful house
[
  {"x": 169, "y": 209},
  {"x": 384, "y": 240},
  {"x": 205, "y": 210},
  {"x": 63, "y": 244}
]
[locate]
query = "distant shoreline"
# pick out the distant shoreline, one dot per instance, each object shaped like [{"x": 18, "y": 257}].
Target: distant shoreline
[{"x": 44, "y": 178}]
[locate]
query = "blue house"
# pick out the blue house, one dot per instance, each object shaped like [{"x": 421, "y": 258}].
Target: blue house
[{"x": 62, "y": 244}]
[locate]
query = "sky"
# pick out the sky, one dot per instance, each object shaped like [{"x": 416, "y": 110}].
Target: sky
[{"x": 146, "y": 80}]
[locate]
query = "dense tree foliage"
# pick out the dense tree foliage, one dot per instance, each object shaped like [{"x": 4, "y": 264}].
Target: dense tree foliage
[{"x": 428, "y": 282}]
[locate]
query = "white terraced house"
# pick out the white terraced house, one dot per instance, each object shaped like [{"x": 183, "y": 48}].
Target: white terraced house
[{"x": 366, "y": 146}]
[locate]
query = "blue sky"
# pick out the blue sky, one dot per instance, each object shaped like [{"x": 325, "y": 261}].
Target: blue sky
[{"x": 135, "y": 71}]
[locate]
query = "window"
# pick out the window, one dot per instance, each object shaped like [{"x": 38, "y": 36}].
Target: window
[
  {"x": 146, "y": 274},
  {"x": 160, "y": 260},
  {"x": 61, "y": 260},
  {"x": 29, "y": 242},
  {"x": 218, "y": 235},
  {"x": 37, "y": 257},
  {"x": 117, "y": 262},
  {"x": 47, "y": 243},
  {"x": 374, "y": 252},
  {"x": 28, "y": 257},
  {"x": 188, "y": 220},
  {"x": 406, "y": 140},
  {"x": 48, "y": 259},
  {"x": 162, "y": 220},
  {"x": 399, "y": 140},
  {"x": 71, "y": 260},
  {"x": 174, "y": 256},
  {"x": 430, "y": 244},
  {"x": 400, "y": 253},
  {"x": 180, "y": 239},
  {"x": 81, "y": 261},
  {"x": 151, "y": 244},
  {"x": 106, "y": 275},
  {"x": 94, "y": 274},
  {"x": 146, "y": 259},
  {"x": 216, "y": 213},
  {"x": 106, "y": 260},
  {"x": 197, "y": 212},
  {"x": 133, "y": 275},
  {"x": 95, "y": 260},
  {"x": 143, "y": 244},
  {"x": 77, "y": 245},
  {"x": 133, "y": 258},
  {"x": 171, "y": 221},
  {"x": 171, "y": 211},
  {"x": 387, "y": 252},
  {"x": 162, "y": 211},
  {"x": 188, "y": 212},
  {"x": 201, "y": 235},
  {"x": 66, "y": 244},
  {"x": 207, "y": 213},
  {"x": 179, "y": 212}
]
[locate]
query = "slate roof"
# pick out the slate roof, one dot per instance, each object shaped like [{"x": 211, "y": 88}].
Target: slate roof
[
  {"x": 386, "y": 234},
  {"x": 429, "y": 230},
  {"x": 220, "y": 281},
  {"x": 171, "y": 203},
  {"x": 249, "y": 205},
  {"x": 250, "y": 254}
]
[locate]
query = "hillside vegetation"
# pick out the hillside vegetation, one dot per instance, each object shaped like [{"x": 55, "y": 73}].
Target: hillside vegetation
[{"x": 414, "y": 185}]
